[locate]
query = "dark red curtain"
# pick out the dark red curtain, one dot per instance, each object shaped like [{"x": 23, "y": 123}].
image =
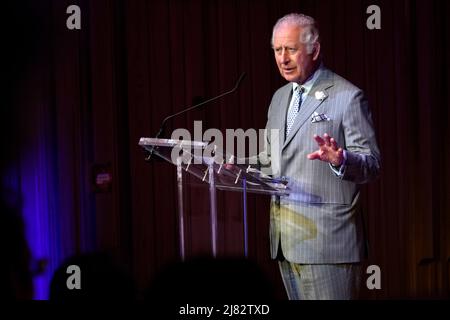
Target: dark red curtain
[{"x": 78, "y": 100}]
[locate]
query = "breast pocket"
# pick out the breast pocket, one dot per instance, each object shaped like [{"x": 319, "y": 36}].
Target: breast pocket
[
  {"x": 333, "y": 128},
  {"x": 322, "y": 127}
]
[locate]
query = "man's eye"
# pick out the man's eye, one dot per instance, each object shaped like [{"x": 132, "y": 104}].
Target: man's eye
[
  {"x": 277, "y": 50},
  {"x": 292, "y": 50}
]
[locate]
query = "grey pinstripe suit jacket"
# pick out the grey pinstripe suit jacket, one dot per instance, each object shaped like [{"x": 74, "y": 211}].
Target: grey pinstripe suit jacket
[{"x": 319, "y": 221}]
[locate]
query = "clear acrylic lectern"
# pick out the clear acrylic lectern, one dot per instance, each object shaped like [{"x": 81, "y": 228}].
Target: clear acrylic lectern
[{"x": 189, "y": 156}]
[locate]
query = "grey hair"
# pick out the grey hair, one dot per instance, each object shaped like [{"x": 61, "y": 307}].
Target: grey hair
[{"x": 310, "y": 34}]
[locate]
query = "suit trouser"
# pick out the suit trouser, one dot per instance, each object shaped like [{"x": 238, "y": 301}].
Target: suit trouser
[{"x": 320, "y": 281}]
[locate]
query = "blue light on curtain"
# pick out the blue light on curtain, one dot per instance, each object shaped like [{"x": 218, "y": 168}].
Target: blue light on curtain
[{"x": 32, "y": 179}]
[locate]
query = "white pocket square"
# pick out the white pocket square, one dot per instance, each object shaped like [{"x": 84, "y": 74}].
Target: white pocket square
[{"x": 317, "y": 117}]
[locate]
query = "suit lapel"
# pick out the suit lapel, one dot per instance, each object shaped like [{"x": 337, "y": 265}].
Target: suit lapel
[{"x": 310, "y": 104}]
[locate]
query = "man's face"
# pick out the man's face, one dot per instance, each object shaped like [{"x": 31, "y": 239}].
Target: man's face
[{"x": 293, "y": 61}]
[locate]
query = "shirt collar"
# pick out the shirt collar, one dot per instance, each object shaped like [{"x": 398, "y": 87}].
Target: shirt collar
[{"x": 308, "y": 84}]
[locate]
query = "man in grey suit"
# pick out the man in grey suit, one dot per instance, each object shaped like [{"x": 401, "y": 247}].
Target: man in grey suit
[{"x": 324, "y": 143}]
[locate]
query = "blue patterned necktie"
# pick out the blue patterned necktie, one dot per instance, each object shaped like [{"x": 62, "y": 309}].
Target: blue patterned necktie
[{"x": 294, "y": 109}]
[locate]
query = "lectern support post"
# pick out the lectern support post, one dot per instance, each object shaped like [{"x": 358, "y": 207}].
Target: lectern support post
[
  {"x": 180, "y": 208},
  {"x": 244, "y": 194},
  {"x": 213, "y": 209}
]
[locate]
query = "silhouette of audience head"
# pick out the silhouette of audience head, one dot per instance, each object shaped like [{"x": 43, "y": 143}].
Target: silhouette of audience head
[
  {"x": 100, "y": 278},
  {"x": 211, "y": 280},
  {"x": 15, "y": 275}
]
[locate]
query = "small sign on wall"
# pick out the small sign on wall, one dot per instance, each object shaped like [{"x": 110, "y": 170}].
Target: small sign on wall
[{"x": 102, "y": 177}]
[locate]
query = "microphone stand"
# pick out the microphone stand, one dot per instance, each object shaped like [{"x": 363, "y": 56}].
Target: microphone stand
[{"x": 161, "y": 129}]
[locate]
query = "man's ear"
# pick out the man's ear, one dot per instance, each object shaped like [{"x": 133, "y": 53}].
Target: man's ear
[{"x": 316, "y": 51}]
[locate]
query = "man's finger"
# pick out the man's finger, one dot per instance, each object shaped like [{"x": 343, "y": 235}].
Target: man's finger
[
  {"x": 319, "y": 140},
  {"x": 326, "y": 137},
  {"x": 313, "y": 156},
  {"x": 333, "y": 144}
]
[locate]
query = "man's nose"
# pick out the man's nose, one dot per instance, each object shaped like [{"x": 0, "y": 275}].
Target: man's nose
[{"x": 284, "y": 56}]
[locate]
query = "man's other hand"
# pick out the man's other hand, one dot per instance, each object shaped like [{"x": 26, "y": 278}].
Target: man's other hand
[{"x": 328, "y": 150}]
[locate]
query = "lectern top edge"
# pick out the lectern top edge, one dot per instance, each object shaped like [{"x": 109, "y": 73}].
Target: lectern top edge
[{"x": 172, "y": 143}]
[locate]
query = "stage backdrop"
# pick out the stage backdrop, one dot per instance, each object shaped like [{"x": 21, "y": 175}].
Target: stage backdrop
[{"x": 79, "y": 100}]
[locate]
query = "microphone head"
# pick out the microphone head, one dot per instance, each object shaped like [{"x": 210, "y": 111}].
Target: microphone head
[{"x": 243, "y": 75}]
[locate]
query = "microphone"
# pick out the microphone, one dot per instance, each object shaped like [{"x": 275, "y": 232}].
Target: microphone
[{"x": 161, "y": 129}]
